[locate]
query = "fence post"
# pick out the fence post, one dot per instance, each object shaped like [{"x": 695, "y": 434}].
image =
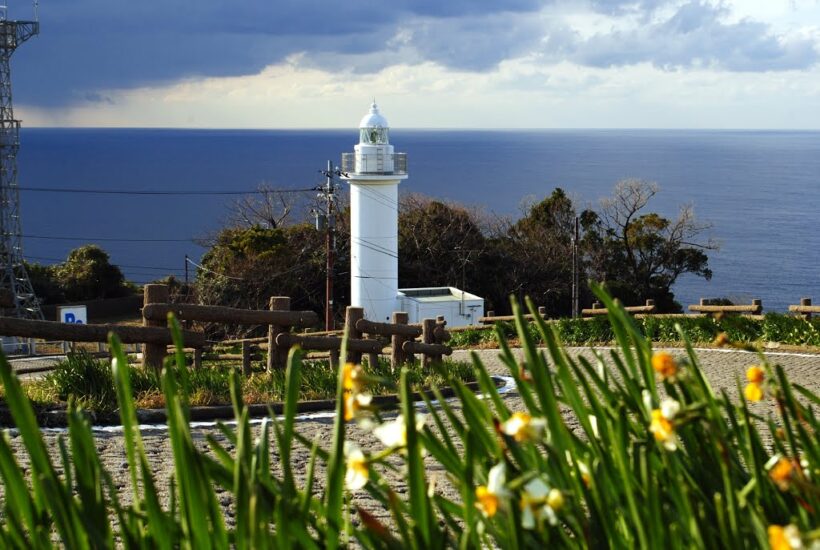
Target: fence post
[
  {"x": 197, "y": 358},
  {"x": 758, "y": 302},
  {"x": 334, "y": 358},
  {"x": 440, "y": 323},
  {"x": 353, "y": 314},
  {"x": 490, "y": 313},
  {"x": 246, "y": 358},
  {"x": 397, "y": 357},
  {"x": 542, "y": 311},
  {"x": 277, "y": 357},
  {"x": 806, "y": 302},
  {"x": 597, "y": 305},
  {"x": 154, "y": 354},
  {"x": 428, "y": 328}
]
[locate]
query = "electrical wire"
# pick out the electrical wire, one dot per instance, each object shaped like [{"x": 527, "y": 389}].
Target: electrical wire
[
  {"x": 376, "y": 248},
  {"x": 158, "y": 268},
  {"x": 378, "y": 197},
  {"x": 76, "y": 190},
  {"x": 205, "y": 269},
  {"x": 364, "y": 244},
  {"x": 108, "y": 239}
]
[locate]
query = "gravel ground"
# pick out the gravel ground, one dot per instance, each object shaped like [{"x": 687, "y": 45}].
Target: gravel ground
[{"x": 723, "y": 368}]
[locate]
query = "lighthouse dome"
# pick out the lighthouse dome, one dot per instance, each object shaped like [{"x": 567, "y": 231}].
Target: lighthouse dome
[{"x": 374, "y": 127}]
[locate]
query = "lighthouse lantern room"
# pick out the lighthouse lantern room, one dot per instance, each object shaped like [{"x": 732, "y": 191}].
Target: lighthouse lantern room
[{"x": 374, "y": 172}]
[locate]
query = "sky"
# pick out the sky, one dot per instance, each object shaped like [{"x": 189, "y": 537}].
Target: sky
[{"x": 428, "y": 63}]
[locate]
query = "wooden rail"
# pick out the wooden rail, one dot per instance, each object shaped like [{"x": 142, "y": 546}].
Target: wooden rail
[
  {"x": 388, "y": 329},
  {"x": 71, "y": 332},
  {"x": 704, "y": 307},
  {"x": 219, "y": 314},
  {"x": 805, "y": 308},
  {"x": 328, "y": 343},
  {"x": 598, "y": 309}
]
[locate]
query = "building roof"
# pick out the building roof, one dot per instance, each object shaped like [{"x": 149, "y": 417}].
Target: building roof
[{"x": 437, "y": 294}]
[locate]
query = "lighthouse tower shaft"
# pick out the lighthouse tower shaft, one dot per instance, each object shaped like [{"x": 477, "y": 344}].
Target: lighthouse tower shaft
[
  {"x": 16, "y": 293},
  {"x": 374, "y": 172}
]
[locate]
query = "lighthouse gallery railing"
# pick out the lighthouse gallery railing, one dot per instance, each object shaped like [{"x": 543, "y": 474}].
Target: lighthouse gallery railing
[{"x": 370, "y": 163}]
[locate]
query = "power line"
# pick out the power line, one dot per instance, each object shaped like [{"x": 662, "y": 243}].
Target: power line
[
  {"x": 376, "y": 248},
  {"x": 108, "y": 239},
  {"x": 203, "y": 268},
  {"x": 158, "y": 268},
  {"x": 88, "y": 191}
]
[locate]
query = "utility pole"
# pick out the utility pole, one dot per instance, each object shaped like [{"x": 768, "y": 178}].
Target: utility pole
[
  {"x": 326, "y": 219},
  {"x": 575, "y": 270}
]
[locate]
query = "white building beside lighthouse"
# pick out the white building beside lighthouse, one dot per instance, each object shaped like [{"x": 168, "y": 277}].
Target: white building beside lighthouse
[{"x": 374, "y": 171}]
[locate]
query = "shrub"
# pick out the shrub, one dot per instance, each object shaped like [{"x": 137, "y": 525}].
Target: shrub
[{"x": 86, "y": 378}]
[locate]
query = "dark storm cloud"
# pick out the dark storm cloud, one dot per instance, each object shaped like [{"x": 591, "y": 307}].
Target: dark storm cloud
[{"x": 91, "y": 45}]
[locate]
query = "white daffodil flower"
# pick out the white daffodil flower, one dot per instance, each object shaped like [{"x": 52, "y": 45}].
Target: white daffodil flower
[
  {"x": 356, "y": 470},
  {"x": 534, "y": 507},
  {"x": 394, "y": 433},
  {"x": 523, "y": 427}
]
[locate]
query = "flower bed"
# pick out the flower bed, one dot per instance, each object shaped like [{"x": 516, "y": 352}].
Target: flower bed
[{"x": 643, "y": 455}]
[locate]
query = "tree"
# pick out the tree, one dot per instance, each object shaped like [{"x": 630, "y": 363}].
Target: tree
[
  {"x": 641, "y": 255},
  {"x": 45, "y": 284},
  {"x": 440, "y": 244},
  {"x": 537, "y": 252},
  {"x": 87, "y": 274},
  {"x": 245, "y": 266},
  {"x": 268, "y": 207}
]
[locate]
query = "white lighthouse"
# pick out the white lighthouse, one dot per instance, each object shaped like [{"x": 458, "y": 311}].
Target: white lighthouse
[{"x": 374, "y": 172}]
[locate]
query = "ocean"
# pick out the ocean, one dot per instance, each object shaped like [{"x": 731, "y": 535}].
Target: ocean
[{"x": 759, "y": 190}]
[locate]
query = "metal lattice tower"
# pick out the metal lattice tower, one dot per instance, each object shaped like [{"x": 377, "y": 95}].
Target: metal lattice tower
[{"x": 17, "y": 297}]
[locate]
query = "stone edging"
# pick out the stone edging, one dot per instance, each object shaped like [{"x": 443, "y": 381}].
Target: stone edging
[{"x": 59, "y": 418}]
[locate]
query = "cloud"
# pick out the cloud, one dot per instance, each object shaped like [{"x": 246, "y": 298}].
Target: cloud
[
  {"x": 90, "y": 49},
  {"x": 695, "y": 35},
  {"x": 88, "y": 45}
]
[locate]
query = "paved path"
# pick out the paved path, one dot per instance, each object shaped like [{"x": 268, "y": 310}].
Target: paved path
[{"x": 723, "y": 368}]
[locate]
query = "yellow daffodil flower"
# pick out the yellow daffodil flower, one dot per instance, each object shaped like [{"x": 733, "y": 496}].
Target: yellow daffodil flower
[
  {"x": 665, "y": 365},
  {"x": 781, "y": 472},
  {"x": 753, "y": 392},
  {"x": 489, "y": 497},
  {"x": 355, "y": 403},
  {"x": 721, "y": 340},
  {"x": 555, "y": 499},
  {"x": 755, "y": 374},
  {"x": 784, "y": 538},
  {"x": 356, "y": 472},
  {"x": 523, "y": 427},
  {"x": 754, "y": 389},
  {"x": 662, "y": 425},
  {"x": 352, "y": 377}
]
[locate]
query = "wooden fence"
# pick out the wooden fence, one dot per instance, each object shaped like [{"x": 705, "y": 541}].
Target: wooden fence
[
  {"x": 704, "y": 308},
  {"x": 365, "y": 337},
  {"x": 804, "y": 308}
]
